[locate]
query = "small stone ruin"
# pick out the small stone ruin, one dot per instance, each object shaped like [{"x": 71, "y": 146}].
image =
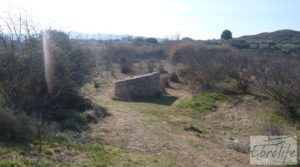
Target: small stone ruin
[{"x": 137, "y": 87}]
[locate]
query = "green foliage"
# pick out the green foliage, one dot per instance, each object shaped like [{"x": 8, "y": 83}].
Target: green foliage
[
  {"x": 202, "y": 102},
  {"x": 226, "y": 34}
]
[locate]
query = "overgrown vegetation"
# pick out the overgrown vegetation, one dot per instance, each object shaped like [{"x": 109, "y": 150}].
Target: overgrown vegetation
[
  {"x": 23, "y": 87},
  {"x": 202, "y": 66}
]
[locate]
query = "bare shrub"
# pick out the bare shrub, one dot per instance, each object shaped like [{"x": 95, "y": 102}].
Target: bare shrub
[
  {"x": 16, "y": 127},
  {"x": 241, "y": 67},
  {"x": 280, "y": 79},
  {"x": 198, "y": 65},
  {"x": 127, "y": 54}
]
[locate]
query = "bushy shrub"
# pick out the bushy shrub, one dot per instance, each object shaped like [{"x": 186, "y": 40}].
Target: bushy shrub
[
  {"x": 71, "y": 124},
  {"x": 17, "y": 127},
  {"x": 23, "y": 85}
]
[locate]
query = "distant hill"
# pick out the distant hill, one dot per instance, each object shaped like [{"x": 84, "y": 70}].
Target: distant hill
[
  {"x": 105, "y": 37},
  {"x": 86, "y": 36},
  {"x": 279, "y": 37}
]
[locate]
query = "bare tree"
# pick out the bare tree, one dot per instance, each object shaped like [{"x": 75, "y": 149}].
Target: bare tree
[
  {"x": 241, "y": 67},
  {"x": 18, "y": 57},
  {"x": 280, "y": 79}
]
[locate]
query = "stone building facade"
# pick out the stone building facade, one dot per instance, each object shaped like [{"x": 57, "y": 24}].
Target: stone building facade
[{"x": 138, "y": 87}]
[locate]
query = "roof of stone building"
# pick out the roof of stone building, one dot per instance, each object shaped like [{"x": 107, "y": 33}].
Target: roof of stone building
[{"x": 137, "y": 76}]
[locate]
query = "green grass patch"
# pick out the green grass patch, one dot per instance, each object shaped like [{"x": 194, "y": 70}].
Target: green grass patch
[
  {"x": 202, "y": 102},
  {"x": 186, "y": 107},
  {"x": 279, "y": 119},
  {"x": 69, "y": 153}
]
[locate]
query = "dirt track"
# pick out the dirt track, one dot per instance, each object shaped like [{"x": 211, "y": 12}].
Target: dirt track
[{"x": 135, "y": 127}]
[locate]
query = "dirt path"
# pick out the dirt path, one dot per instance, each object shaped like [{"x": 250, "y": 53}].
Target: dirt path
[{"x": 138, "y": 128}]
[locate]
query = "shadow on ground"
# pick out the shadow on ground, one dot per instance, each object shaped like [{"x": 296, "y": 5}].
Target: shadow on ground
[{"x": 161, "y": 100}]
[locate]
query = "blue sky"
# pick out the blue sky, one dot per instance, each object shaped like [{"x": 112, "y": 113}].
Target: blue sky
[{"x": 199, "y": 19}]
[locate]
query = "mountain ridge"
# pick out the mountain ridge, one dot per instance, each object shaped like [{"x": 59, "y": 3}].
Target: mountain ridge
[{"x": 280, "y": 36}]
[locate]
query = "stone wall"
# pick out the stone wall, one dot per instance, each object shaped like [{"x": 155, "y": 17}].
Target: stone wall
[{"x": 137, "y": 87}]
